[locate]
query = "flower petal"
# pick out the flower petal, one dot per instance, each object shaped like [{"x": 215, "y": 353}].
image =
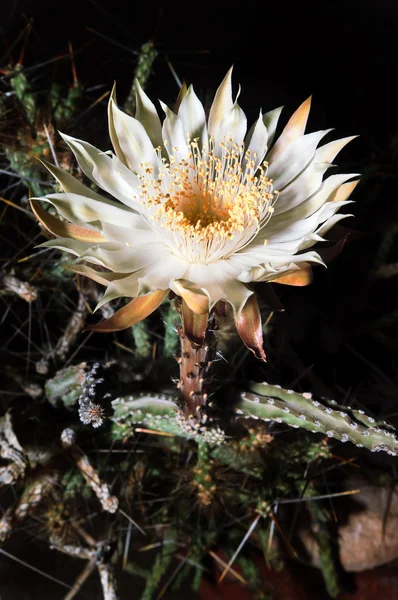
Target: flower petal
[
  {"x": 173, "y": 134},
  {"x": 146, "y": 114},
  {"x": 219, "y": 281},
  {"x": 181, "y": 95},
  {"x": 328, "y": 192},
  {"x": 80, "y": 209},
  {"x": 194, "y": 296},
  {"x": 134, "y": 312},
  {"x": 109, "y": 173},
  {"x": 129, "y": 138},
  {"x": 159, "y": 275},
  {"x": 249, "y": 327},
  {"x": 328, "y": 152},
  {"x": 130, "y": 236},
  {"x": 344, "y": 191},
  {"x": 236, "y": 293},
  {"x": 125, "y": 260},
  {"x": 70, "y": 183},
  {"x": 270, "y": 120},
  {"x": 162, "y": 272},
  {"x": 294, "y": 129},
  {"x": 295, "y": 158},
  {"x": 101, "y": 277},
  {"x": 275, "y": 268},
  {"x": 300, "y": 277},
  {"x": 328, "y": 224},
  {"x": 256, "y": 140},
  {"x": 233, "y": 126},
  {"x": 193, "y": 117},
  {"x": 222, "y": 103},
  {"x": 67, "y": 245},
  {"x": 310, "y": 179},
  {"x": 112, "y": 133},
  {"x": 62, "y": 229},
  {"x": 121, "y": 287},
  {"x": 305, "y": 185}
]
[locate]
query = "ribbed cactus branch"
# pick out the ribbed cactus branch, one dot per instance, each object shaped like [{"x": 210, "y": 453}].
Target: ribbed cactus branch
[
  {"x": 272, "y": 403},
  {"x": 146, "y": 57},
  {"x": 142, "y": 340},
  {"x": 160, "y": 413}
]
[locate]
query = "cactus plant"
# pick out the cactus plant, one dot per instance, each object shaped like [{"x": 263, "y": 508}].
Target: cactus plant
[{"x": 273, "y": 403}]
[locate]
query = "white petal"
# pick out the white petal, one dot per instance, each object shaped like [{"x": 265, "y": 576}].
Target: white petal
[
  {"x": 329, "y": 209},
  {"x": 129, "y": 236},
  {"x": 82, "y": 210},
  {"x": 160, "y": 274},
  {"x": 344, "y": 191},
  {"x": 101, "y": 277},
  {"x": 326, "y": 219},
  {"x": 270, "y": 120},
  {"x": 146, "y": 114},
  {"x": 193, "y": 117},
  {"x": 125, "y": 260},
  {"x": 70, "y": 183},
  {"x": 157, "y": 276},
  {"x": 222, "y": 103},
  {"x": 233, "y": 125},
  {"x": 330, "y": 223},
  {"x": 219, "y": 280},
  {"x": 173, "y": 134},
  {"x": 328, "y": 152},
  {"x": 276, "y": 233},
  {"x": 67, "y": 245},
  {"x": 129, "y": 138},
  {"x": 278, "y": 267},
  {"x": 121, "y": 288},
  {"x": 236, "y": 294},
  {"x": 314, "y": 202},
  {"x": 295, "y": 128},
  {"x": 289, "y": 164},
  {"x": 306, "y": 184},
  {"x": 108, "y": 173},
  {"x": 256, "y": 140},
  {"x": 275, "y": 254},
  {"x": 203, "y": 276}
]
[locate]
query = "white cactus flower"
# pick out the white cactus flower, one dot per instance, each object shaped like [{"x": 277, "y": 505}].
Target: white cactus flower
[{"x": 201, "y": 207}]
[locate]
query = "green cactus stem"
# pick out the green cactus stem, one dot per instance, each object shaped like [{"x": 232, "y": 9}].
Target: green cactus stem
[
  {"x": 64, "y": 106},
  {"x": 171, "y": 318},
  {"x": 142, "y": 340},
  {"x": 272, "y": 403},
  {"x": 23, "y": 91},
  {"x": 159, "y": 413},
  {"x": 65, "y": 386},
  {"x": 146, "y": 58}
]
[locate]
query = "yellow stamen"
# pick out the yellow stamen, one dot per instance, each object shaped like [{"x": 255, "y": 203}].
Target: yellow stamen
[{"x": 209, "y": 205}]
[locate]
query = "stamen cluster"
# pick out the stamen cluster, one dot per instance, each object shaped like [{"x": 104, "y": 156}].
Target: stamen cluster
[{"x": 211, "y": 203}]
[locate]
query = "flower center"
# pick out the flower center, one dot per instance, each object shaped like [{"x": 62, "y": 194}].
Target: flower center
[{"x": 210, "y": 204}]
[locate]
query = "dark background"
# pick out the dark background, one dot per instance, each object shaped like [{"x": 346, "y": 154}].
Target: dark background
[{"x": 343, "y": 52}]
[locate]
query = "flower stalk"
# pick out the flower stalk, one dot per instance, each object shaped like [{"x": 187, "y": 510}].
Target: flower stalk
[{"x": 198, "y": 347}]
